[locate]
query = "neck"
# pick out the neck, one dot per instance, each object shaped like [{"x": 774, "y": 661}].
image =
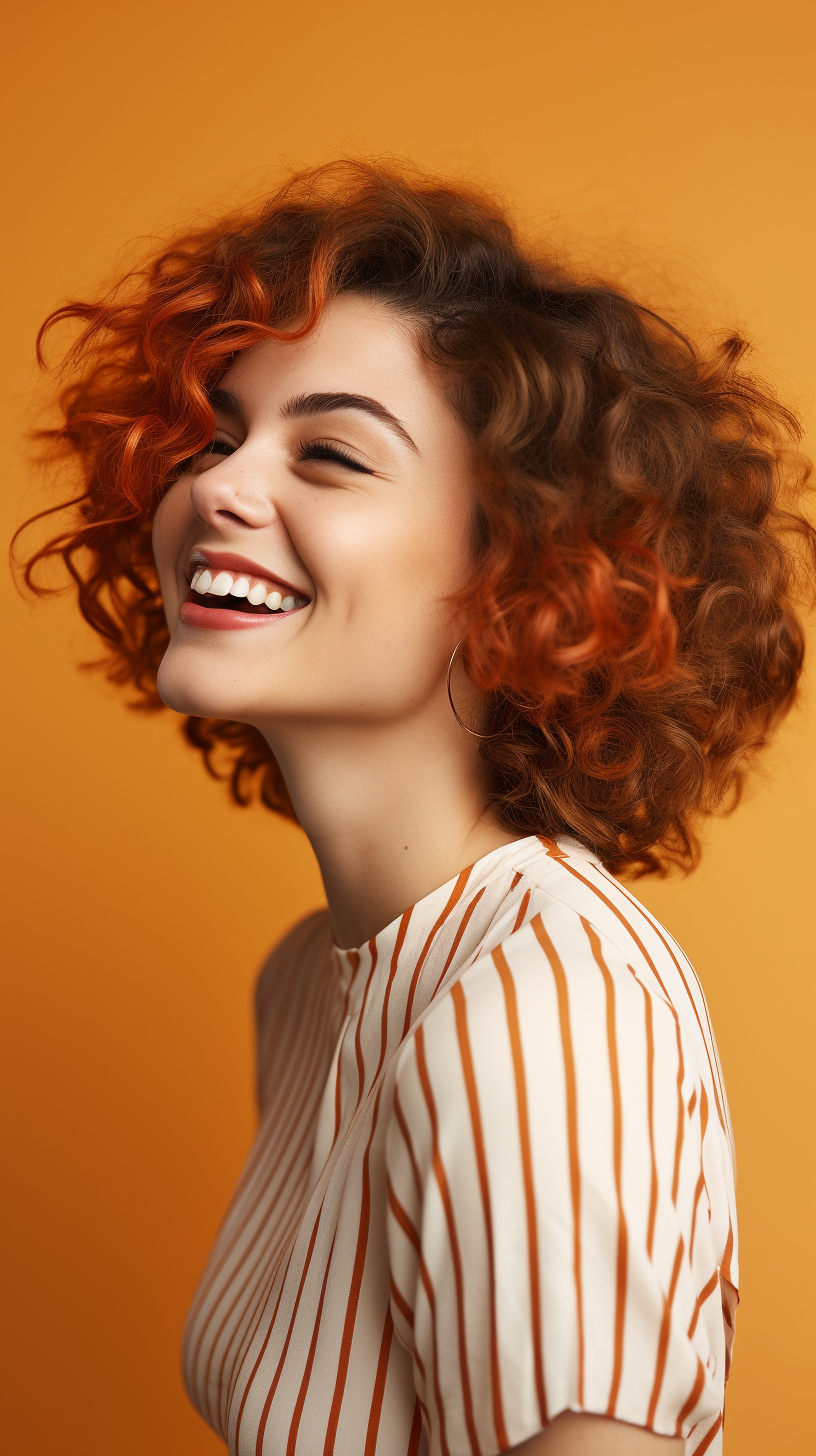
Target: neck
[{"x": 392, "y": 811}]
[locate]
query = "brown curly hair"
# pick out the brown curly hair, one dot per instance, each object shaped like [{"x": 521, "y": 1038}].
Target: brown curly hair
[{"x": 630, "y": 617}]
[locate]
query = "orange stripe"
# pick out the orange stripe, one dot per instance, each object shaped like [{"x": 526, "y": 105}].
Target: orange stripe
[
  {"x": 288, "y": 1197},
  {"x": 256, "y": 1156},
  {"x": 463, "y": 924},
  {"x": 271, "y": 1392},
  {"x": 285, "y": 1191},
  {"x": 267, "y": 1284},
  {"x": 460, "y": 1012},
  {"x": 707, "y": 1439},
  {"x": 265, "y": 1343},
  {"x": 554, "y": 853},
  {"x": 447, "y": 1203},
  {"x": 354, "y": 957},
  {"x": 725, "y": 1263},
  {"x": 402, "y": 1304},
  {"x": 427, "y": 1285},
  {"x": 681, "y": 1116},
  {"x": 400, "y": 941},
  {"x": 416, "y": 1431},
  {"x": 696, "y": 1392},
  {"x": 251, "y": 1317},
  {"x": 354, "y": 1290},
  {"x": 455, "y": 896},
  {"x": 338, "y": 1107},
  {"x": 705, "y": 1293},
  {"x": 663, "y": 1343},
  {"x": 302, "y": 1127},
  {"x": 572, "y": 1130},
  {"x": 617, "y": 1142},
  {"x": 515, "y": 879},
  {"x": 514, "y": 1033},
  {"x": 406, "y": 1136},
  {"x": 290, "y": 1215},
  {"x": 522, "y": 911},
  {"x": 715, "y": 1076},
  {"x": 401, "y": 1216},
  {"x": 379, "y": 1386},
  {"x": 307, "y": 1374},
  {"x": 559, "y": 855},
  {"x": 264, "y": 1256},
  {"x": 358, "y": 1047},
  {"x": 698, "y": 1192},
  {"x": 650, "y": 1078},
  {"x": 421, "y": 1368},
  {"x": 408, "y": 1228}
]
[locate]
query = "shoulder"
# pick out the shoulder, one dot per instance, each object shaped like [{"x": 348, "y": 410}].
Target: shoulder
[
  {"x": 552, "y": 1023},
  {"x": 553, "y": 1049},
  {"x": 304, "y": 950},
  {"x": 284, "y": 993},
  {"x": 548, "y": 1130},
  {"x": 581, "y": 965},
  {"x": 572, "y": 887},
  {"x": 589, "y": 929}
]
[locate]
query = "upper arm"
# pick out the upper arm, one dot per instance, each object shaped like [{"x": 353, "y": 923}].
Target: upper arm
[
  {"x": 587, "y": 1435},
  {"x": 548, "y": 1245}
]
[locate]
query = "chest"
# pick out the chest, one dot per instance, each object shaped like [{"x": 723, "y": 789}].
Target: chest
[{"x": 290, "y": 1332}]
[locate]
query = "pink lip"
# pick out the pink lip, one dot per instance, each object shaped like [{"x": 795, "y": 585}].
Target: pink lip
[
  {"x": 218, "y": 619},
  {"x": 230, "y": 561}
]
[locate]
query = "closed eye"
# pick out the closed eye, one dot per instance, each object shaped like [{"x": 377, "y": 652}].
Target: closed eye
[
  {"x": 325, "y": 450},
  {"x": 218, "y": 447},
  {"x": 309, "y": 450}
]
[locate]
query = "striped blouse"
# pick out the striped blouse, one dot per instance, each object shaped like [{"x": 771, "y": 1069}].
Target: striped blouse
[{"x": 493, "y": 1180}]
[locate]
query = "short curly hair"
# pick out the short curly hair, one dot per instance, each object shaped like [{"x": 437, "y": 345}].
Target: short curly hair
[{"x": 631, "y": 615}]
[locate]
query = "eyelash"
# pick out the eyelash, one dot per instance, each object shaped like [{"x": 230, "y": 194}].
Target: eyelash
[
  {"x": 311, "y": 450},
  {"x": 323, "y": 450}
]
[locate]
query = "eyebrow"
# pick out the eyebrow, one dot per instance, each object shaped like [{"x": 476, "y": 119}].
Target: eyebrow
[
  {"x": 224, "y": 400},
  {"x": 324, "y": 404}
]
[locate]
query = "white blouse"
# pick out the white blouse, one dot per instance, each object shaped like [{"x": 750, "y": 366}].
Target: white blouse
[{"x": 493, "y": 1181}]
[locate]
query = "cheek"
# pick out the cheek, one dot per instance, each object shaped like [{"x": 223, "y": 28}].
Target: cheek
[
  {"x": 171, "y": 524},
  {"x": 394, "y": 554},
  {"x": 432, "y": 554}
]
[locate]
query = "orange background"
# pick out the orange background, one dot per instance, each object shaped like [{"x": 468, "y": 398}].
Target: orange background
[{"x": 141, "y": 902}]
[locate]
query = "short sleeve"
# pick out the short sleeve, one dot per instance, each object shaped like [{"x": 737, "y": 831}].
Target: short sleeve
[{"x": 548, "y": 1220}]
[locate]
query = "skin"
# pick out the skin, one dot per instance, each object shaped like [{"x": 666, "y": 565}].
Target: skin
[{"x": 350, "y": 690}]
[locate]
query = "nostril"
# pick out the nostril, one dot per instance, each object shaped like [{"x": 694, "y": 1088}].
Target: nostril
[{"x": 231, "y": 516}]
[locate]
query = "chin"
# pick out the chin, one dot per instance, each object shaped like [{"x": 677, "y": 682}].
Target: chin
[{"x": 185, "y": 688}]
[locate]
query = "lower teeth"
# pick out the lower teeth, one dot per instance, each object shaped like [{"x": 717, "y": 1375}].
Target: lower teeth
[{"x": 236, "y": 604}]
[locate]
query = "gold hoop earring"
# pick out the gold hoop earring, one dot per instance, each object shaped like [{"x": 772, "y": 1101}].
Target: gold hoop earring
[{"x": 471, "y": 731}]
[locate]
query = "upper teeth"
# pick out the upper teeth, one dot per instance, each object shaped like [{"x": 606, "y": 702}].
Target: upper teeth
[{"x": 225, "y": 584}]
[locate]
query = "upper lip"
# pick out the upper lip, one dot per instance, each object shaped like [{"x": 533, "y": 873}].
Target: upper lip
[{"x": 231, "y": 561}]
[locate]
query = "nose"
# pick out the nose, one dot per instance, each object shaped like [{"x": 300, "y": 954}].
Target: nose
[{"x": 229, "y": 495}]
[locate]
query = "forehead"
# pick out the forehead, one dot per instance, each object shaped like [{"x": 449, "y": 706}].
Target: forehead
[{"x": 360, "y": 346}]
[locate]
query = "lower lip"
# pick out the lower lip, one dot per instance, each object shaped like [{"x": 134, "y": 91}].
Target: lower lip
[{"x": 219, "y": 619}]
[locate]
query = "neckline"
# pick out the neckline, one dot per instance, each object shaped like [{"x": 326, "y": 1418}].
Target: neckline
[{"x": 494, "y": 858}]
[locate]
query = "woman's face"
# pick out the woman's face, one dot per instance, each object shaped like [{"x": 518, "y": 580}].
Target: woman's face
[{"x": 332, "y": 517}]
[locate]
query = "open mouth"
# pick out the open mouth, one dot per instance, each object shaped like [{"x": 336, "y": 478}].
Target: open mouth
[
  {"x": 240, "y": 593},
  {"x": 214, "y": 594},
  {"x": 230, "y": 604}
]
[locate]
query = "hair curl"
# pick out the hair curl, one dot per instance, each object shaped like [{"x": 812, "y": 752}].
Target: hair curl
[{"x": 630, "y": 617}]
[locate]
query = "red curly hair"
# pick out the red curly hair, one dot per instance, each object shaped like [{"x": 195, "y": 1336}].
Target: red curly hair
[{"x": 630, "y": 614}]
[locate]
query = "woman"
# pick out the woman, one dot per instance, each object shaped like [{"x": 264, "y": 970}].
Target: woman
[{"x": 480, "y": 572}]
